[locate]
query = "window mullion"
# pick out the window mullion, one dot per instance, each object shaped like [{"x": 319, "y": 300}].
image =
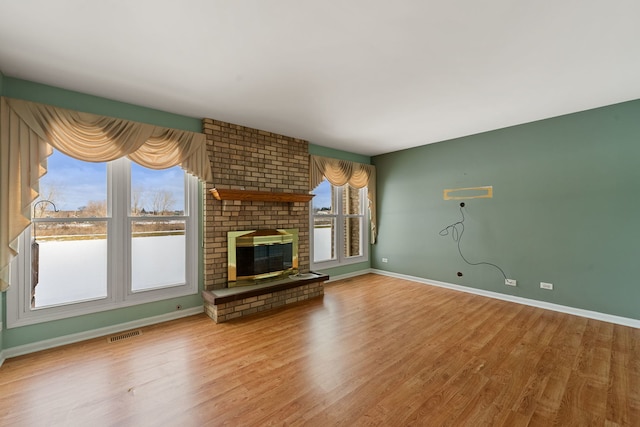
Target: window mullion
[
  {"x": 191, "y": 208},
  {"x": 340, "y": 255},
  {"x": 119, "y": 235}
]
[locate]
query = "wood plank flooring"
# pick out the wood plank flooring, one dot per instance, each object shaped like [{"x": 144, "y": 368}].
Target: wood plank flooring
[{"x": 374, "y": 351}]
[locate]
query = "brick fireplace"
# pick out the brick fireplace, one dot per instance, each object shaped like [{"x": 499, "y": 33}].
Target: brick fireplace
[{"x": 253, "y": 160}]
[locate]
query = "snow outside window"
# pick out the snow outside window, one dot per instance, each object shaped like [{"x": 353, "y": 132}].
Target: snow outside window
[{"x": 105, "y": 235}]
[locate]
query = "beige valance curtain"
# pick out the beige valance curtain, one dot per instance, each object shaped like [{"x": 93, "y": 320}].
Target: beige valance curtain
[
  {"x": 28, "y": 133},
  {"x": 341, "y": 172}
]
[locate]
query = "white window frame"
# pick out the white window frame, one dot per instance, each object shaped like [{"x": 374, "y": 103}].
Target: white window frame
[
  {"x": 341, "y": 258},
  {"x": 119, "y": 294}
]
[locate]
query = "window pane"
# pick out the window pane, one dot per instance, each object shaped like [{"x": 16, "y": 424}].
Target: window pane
[
  {"x": 69, "y": 262},
  {"x": 351, "y": 203},
  {"x": 324, "y": 237},
  {"x": 158, "y": 254},
  {"x": 77, "y": 188},
  {"x": 353, "y": 236},
  {"x": 157, "y": 192},
  {"x": 69, "y": 259},
  {"x": 323, "y": 202}
]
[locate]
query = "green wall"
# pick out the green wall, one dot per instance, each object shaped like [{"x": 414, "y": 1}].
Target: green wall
[
  {"x": 16, "y": 88},
  {"x": 346, "y": 269},
  {"x": 43, "y": 331},
  {"x": 565, "y": 210},
  {"x": 36, "y": 92},
  {"x": 319, "y": 150}
]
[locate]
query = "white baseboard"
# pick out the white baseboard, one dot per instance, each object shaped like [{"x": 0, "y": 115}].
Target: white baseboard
[
  {"x": 2, "y": 357},
  {"x": 349, "y": 275},
  {"x": 634, "y": 323},
  {"x": 95, "y": 333}
]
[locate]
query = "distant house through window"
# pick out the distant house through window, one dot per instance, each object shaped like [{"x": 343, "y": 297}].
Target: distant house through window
[
  {"x": 105, "y": 235},
  {"x": 338, "y": 221}
]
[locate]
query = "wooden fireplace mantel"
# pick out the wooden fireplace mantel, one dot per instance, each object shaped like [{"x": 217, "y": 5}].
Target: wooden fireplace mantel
[{"x": 264, "y": 196}]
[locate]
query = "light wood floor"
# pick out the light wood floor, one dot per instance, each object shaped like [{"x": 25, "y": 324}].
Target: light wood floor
[{"x": 373, "y": 351}]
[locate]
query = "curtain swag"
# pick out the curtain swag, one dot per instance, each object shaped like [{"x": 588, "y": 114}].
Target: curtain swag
[
  {"x": 341, "y": 172},
  {"x": 30, "y": 131}
]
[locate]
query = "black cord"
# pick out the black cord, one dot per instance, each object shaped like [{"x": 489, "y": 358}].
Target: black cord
[{"x": 457, "y": 236}]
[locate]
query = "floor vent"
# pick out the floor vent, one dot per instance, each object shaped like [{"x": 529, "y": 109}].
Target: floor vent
[{"x": 124, "y": 336}]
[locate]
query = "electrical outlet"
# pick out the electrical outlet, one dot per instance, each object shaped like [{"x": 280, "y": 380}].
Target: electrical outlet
[
  {"x": 385, "y": 260},
  {"x": 510, "y": 282},
  {"x": 545, "y": 285}
]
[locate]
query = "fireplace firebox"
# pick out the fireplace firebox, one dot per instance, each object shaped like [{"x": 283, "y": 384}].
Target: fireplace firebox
[{"x": 258, "y": 255}]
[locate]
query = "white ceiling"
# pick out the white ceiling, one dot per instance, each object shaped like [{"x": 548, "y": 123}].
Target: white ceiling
[{"x": 366, "y": 76}]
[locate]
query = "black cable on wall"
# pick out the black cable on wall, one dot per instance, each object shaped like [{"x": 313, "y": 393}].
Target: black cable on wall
[{"x": 456, "y": 230}]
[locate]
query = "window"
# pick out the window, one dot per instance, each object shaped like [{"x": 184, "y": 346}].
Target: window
[
  {"x": 338, "y": 222},
  {"x": 105, "y": 235}
]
